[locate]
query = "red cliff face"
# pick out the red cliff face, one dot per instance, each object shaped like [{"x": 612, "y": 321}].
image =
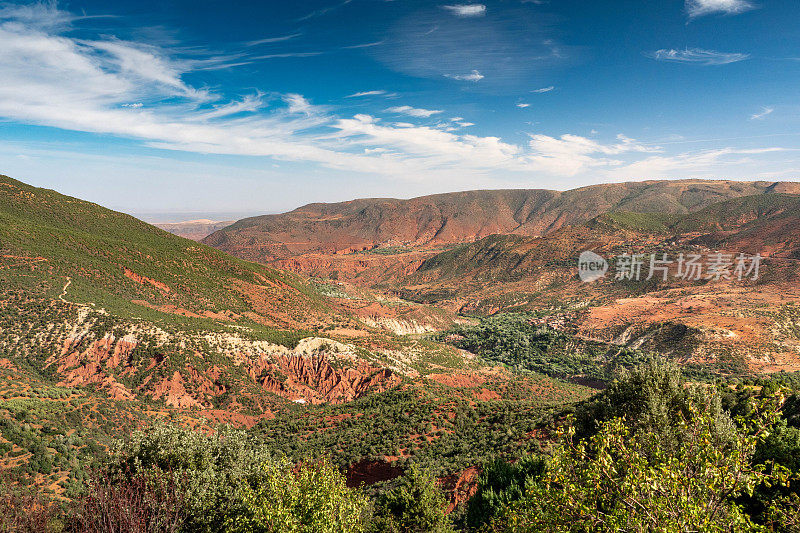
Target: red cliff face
[
  {"x": 307, "y": 375},
  {"x": 94, "y": 363},
  {"x": 312, "y": 379}
]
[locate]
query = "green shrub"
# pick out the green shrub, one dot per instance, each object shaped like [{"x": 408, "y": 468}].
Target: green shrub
[
  {"x": 313, "y": 500},
  {"x": 500, "y": 484},
  {"x": 621, "y": 480},
  {"x": 213, "y": 470},
  {"x": 416, "y": 505}
]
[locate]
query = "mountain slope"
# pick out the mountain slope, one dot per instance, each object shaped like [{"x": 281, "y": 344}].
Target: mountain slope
[
  {"x": 464, "y": 216},
  {"x": 727, "y": 323},
  {"x": 195, "y": 230},
  {"x": 94, "y": 298},
  {"x": 111, "y": 260}
]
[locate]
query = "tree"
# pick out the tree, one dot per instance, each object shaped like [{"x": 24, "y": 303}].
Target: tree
[
  {"x": 147, "y": 502},
  {"x": 620, "y": 480},
  {"x": 416, "y": 505},
  {"x": 653, "y": 399},
  {"x": 313, "y": 500},
  {"x": 500, "y": 484},
  {"x": 210, "y": 470}
]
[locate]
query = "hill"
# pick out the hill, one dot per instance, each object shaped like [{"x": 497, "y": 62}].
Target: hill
[
  {"x": 704, "y": 321},
  {"x": 124, "y": 265},
  {"x": 108, "y": 324},
  {"x": 196, "y": 230},
  {"x": 92, "y": 297},
  {"x": 459, "y": 217}
]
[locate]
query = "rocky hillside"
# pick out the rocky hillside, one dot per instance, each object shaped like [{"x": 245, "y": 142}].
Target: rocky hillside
[
  {"x": 704, "y": 321},
  {"x": 196, "y": 230},
  {"x": 94, "y": 298},
  {"x": 464, "y": 216}
]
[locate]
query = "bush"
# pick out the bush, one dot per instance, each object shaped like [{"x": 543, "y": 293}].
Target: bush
[
  {"x": 620, "y": 480},
  {"x": 500, "y": 484},
  {"x": 416, "y": 505},
  {"x": 211, "y": 470},
  {"x": 653, "y": 399},
  {"x": 146, "y": 502},
  {"x": 314, "y": 500},
  {"x": 23, "y": 511}
]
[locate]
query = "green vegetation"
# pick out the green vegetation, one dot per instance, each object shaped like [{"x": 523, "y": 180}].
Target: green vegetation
[
  {"x": 648, "y": 452},
  {"x": 516, "y": 341},
  {"x": 416, "y": 504},
  {"x": 49, "y": 239},
  {"x": 501, "y": 484},
  {"x": 439, "y": 433},
  {"x": 315, "y": 500}
]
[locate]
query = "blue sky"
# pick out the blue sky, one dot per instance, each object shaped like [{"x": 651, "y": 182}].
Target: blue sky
[{"x": 228, "y": 108}]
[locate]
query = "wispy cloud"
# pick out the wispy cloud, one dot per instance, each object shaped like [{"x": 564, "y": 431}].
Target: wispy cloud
[
  {"x": 270, "y": 40},
  {"x": 467, "y": 10},
  {"x": 286, "y": 55},
  {"x": 699, "y": 8},
  {"x": 413, "y": 112},
  {"x": 94, "y": 85},
  {"x": 764, "y": 112},
  {"x": 472, "y": 76},
  {"x": 523, "y": 105},
  {"x": 248, "y": 104},
  {"x": 543, "y": 89},
  {"x": 366, "y": 93},
  {"x": 364, "y": 45},
  {"x": 323, "y": 11},
  {"x": 697, "y": 56}
]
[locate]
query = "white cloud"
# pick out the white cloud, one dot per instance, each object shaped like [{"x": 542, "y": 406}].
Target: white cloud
[
  {"x": 247, "y": 104},
  {"x": 95, "y": 85},
  {"x": 697, "y": 56},
  {"x": 472, "y": 76},
  {"x": 366, "y": 93},
  {"x": 543, "y": 90},
  {"x": 764, "y": 112},
  {"x": 467, "y": 10},
  {"x": 273, "y": 40},
  {"x": 523, "y": 105},
  {"x": 572, "y": 154},
  {"x": 298, "y": 104},
  {"x": 698, "y": 8},
  {"x": 363, "y": 45},
  {"x": 413, "y": 112},
  {"x": 703, "y": 163}
]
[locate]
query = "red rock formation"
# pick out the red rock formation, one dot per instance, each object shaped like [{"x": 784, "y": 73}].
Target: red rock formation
[
  {"x": 314, "y": 380},
  {"x": 460, "y": 487},
  {"x": 92, "y": 364}
]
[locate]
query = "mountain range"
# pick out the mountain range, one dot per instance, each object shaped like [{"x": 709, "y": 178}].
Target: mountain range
[{"x": 450, "y": 218}]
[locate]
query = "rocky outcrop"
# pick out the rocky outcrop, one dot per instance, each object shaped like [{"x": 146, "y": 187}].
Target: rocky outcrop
[
  {"x": 460, "y": 487},
  {"x": 82, "y": 363},
  {"x": 313, "y": 379}
]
